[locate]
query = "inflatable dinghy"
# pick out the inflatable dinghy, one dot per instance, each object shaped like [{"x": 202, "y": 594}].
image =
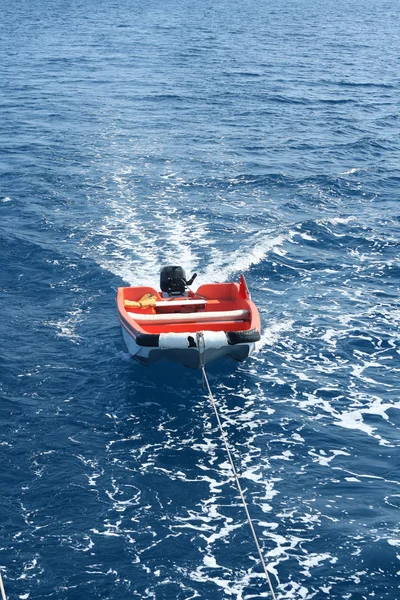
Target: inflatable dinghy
[{"x": 191, "y": 328}]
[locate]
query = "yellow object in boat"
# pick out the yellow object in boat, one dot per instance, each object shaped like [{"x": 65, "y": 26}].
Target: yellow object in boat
[{"x": 146, "y": 301}]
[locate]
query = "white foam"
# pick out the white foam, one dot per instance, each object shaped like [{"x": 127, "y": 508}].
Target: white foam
[
  {"x": 323, "y": 459},
  {"x": 393, "y": 542},
  {"x": 271, "y": 334},
  {"x": 354, "y": 420},
  {"x": 302, "y": 376},
  {"x": 314, "y": 560},
  {"x": 66, "y": 327},
  {"x": 306, "y": 236},
  {"x": 210, "y": 562},
  {"x": 222, "y": 265},
  {"x": 252, "y": 474},
  {"x": 352, "y": 171},
  {"x": 134, "y": 241},
  {"x": 337, "y": 220},
  {"x": 329, "y": 337}
]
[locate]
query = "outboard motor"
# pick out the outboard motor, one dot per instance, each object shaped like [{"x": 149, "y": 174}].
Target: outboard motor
[{"x": 173, "y": 281}]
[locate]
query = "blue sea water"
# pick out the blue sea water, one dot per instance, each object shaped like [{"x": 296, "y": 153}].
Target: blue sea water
[{"x": 228, "y": 137}]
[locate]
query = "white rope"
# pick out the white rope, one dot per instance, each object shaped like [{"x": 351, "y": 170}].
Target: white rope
[
  {"x": 200, "y": 341},
  {"x": 3, "y": 594}
]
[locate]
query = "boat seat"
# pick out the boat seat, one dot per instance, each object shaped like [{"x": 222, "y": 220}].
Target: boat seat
[
  {"x": 174, "y": 303},
  {"x": 203, "y": 317}
]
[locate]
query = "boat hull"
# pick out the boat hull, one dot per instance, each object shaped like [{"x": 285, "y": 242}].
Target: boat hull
[{"x": 192, "y": 357}]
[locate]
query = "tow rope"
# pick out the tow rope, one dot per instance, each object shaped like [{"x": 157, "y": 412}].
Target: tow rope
[
  {"x": 3, "y": 594},
  {"x": 200, "y": 340}
]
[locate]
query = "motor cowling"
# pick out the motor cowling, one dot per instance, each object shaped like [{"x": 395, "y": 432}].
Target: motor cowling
[{"x": 173, "y": 281}]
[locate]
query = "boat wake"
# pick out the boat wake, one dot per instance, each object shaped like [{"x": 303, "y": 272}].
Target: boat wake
[{"x": 136, "y": 238}]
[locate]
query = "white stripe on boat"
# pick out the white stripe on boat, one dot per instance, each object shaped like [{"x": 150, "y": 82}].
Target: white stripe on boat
[{"x": 203, "y": 317}]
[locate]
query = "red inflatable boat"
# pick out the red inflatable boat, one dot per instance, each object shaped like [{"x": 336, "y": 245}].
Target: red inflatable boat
[{"x": 192, "y": 328}]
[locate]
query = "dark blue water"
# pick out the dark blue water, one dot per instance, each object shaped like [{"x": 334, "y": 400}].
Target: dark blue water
[{"x": 228, "y": 137}]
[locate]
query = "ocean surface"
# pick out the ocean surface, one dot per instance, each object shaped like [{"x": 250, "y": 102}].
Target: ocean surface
[{"x": 227, "y": 137}]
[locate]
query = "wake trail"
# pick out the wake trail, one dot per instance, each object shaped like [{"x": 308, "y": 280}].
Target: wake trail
[{"x": 135, "y": 239}]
